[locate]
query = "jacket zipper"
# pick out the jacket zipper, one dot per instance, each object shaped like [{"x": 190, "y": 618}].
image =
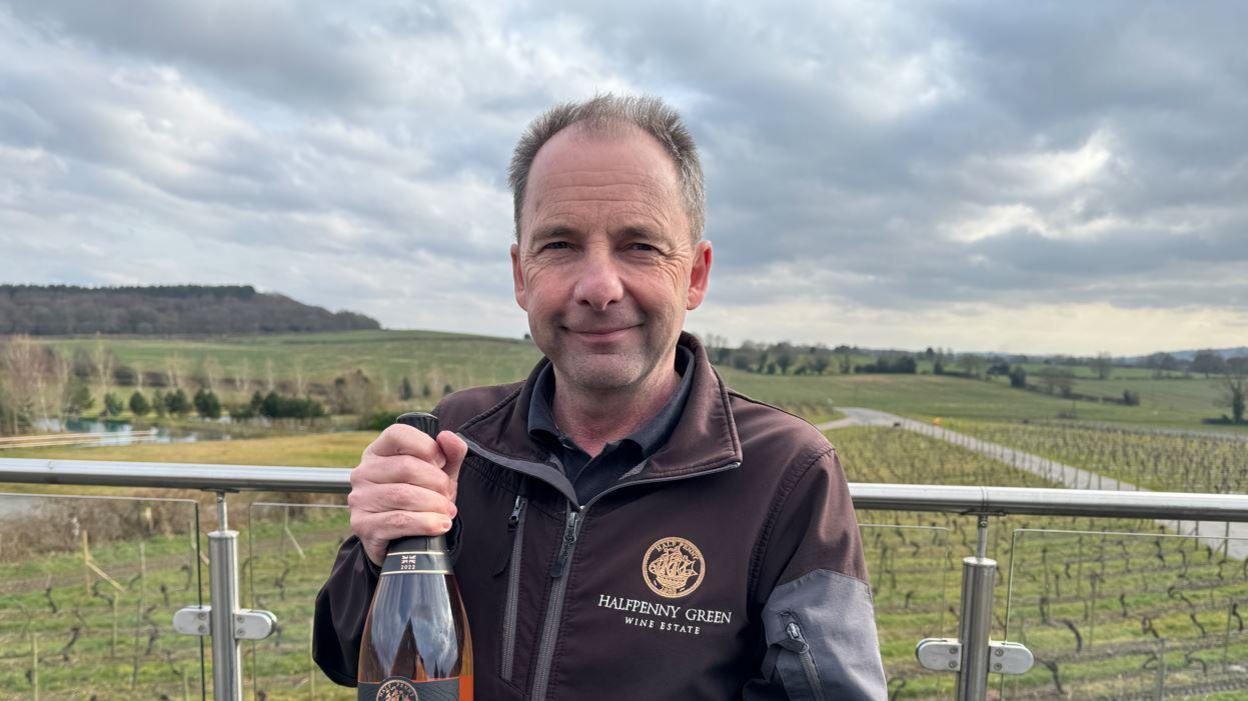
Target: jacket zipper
[
  {"x": 567, "y": 548},
  {"x": 515, "y": 524},
  {"x": 559, "y": 569},
  {"x": 554, "y": 609}
]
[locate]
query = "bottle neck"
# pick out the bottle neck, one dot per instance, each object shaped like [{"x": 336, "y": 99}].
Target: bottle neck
[{"x": 417, "y": 555}]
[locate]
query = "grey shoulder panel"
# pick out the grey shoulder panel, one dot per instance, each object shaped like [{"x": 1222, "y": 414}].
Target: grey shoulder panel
[{"x": 821, "y": 638}]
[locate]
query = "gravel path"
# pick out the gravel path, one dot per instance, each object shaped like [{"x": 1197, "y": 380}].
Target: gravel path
[{"x": 1051, "y": 470}]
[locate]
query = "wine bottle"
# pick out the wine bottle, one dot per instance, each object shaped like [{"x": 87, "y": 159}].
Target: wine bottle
[{"x": 416, "y": 644}]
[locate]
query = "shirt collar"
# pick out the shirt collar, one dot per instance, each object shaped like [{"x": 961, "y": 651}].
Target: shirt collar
[{"x": 649, "y": 437}]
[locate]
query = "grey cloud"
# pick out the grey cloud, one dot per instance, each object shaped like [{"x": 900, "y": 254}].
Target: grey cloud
[
  {"x": 273, "y": 48},
  {"x": 885, "y": 156}
]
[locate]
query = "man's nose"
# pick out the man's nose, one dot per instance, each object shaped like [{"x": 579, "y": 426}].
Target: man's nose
[{"x": 598, "y": 282}]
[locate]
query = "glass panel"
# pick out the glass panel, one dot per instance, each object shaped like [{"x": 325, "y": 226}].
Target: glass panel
[
  {"x": 88, "y": 588},
  {"x": 1128, "y": 615},
  {"x": 909, "y": 566},
  {"x": 290, "y": 551}
]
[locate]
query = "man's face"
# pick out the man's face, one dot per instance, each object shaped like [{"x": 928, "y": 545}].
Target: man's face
[{"x": 606, "y": 267}]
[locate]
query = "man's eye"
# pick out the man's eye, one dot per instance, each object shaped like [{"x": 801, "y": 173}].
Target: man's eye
[
  {"x": 642, "y": 247},
  {"x": 555, "y": 245}
]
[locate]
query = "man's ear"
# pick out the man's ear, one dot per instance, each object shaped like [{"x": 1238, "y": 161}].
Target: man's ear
[
  {"x": 517, "y": 277},
  {"x": 699, "y": 276}
]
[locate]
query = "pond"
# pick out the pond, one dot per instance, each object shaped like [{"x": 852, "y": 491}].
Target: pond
[{"x": 102, "y": 433}]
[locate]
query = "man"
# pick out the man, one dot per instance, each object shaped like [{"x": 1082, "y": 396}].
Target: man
[{"x": 628, "y": 527}]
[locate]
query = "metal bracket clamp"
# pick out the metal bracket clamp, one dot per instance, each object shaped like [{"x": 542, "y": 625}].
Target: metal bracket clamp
[
  {"x": 945, "y": 655},
  {"x": 1009, "y": 658},
  {"x": 249, "y": 624},
  {"x": 939, "y": 654}
]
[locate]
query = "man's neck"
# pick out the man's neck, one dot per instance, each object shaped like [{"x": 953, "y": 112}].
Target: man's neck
[{"x": 593, "y": 419}]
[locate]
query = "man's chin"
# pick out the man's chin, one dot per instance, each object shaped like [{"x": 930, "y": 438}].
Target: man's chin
[{"x": 602, "y": 374}]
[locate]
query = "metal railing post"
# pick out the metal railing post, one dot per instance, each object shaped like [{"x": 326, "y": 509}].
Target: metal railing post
[
  {"x": 978, "y": 576},
  {"x": 973, "y": 653},
  {"x": 227, "y": 660},
  {"x": 222, "y": 619}
]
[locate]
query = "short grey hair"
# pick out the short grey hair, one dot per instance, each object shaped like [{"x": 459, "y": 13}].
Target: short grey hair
[{"x": 602, "y": 114}]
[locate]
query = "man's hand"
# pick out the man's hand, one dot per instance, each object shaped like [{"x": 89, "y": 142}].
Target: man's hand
[{"x": 404, "y": 485}]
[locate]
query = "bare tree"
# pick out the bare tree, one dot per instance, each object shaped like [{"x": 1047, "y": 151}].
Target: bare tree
[
  {"x": 1103, "y": 365},
  {"x": 784, "y": 356},
  {"x": 102, "y": 363},
  {"x": 1234, "y": 391},
  {"x": 1056, "y": 379},
  {"x": 61, "y": 384},
  {"x": 301, "y": 387},
  {"x": 242, "y": 376},
  {"x": 23, "y": 367},
  {"x": 173, "y": 366},
  {"x": 1209, "y": 362},
  {"x": 971, "y": 364},
  {"x": 207, "y": 373}
]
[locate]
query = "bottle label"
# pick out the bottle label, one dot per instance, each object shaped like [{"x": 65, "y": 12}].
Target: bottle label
[
  {"x": 416, "y": 562},
  {"x": 404, "y": 689}
]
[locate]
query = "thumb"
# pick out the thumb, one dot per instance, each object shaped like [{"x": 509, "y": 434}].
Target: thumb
[{"x": 455, "y": 450}]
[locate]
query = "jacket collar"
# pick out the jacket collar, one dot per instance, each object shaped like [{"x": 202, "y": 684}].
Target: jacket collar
[{"x": 704, "y": 439}]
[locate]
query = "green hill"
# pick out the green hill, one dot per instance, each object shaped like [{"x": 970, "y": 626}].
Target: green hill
[{"x": 60, "y": 310}]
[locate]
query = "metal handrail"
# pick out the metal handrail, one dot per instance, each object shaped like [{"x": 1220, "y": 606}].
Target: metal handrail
[
  {"x": 866, "y": 495},
  {"x": 231, "y": 624}
]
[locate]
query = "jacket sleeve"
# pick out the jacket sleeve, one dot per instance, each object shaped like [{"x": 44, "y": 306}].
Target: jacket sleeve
[
  {"x": 341, "y": 607},
  {"x": 817, "y": 615}
]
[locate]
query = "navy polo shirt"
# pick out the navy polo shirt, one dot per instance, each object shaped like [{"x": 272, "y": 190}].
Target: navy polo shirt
[{"x": 590, "y": 476}]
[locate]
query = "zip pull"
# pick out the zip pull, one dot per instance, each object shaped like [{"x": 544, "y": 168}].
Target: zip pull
[
  {"x": 794, "y": 639},
  {"x": 514, "y": 519},
  {"x": 565, "y": 547}
]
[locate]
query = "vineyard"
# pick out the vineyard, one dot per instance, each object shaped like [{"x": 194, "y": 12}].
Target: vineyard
[
  {"x": 1153, "y": 459},
  {"x": 1113, "y": 609}
]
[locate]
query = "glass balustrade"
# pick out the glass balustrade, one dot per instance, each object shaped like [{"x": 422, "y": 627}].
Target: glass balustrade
[
  {"x": 909, "y": 567},
  {"x": 1128, "y": 615},
  {"x": 88, "y": 586},
  {"x": 289, "y": 551}
]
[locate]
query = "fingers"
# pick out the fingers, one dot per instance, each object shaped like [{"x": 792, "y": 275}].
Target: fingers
[
  {"x": 455, "y": 450},
  {"x": 404, "y": 485},
  {"x": 401, "y": 439},
  {"x": 402, "y": 468},
  {"x": 376, "y": 530},
  {"x": 399, "y": 496}
]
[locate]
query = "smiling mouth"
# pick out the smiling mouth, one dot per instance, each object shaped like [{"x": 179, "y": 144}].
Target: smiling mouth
[{"x": 603, "y": 334}]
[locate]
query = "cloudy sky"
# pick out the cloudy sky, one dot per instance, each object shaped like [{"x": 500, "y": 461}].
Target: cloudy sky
[{"x": 1038, "y": 177}]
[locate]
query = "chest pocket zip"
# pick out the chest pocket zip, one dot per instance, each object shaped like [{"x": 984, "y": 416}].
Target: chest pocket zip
[
  {"x": 515, "y": 526},
  {"x": 554, "y": 608}
]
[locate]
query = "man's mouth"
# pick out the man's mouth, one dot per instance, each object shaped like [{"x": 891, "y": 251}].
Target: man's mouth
[{"x": 604, "y": 334}]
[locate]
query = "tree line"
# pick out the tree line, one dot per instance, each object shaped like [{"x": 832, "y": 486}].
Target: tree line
[
  {"x": 58, "y": 310},
  {"x": 37, "y": 384},
  {"x": 1056, "y": 375}
]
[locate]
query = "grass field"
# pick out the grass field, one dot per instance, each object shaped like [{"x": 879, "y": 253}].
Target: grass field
[
  {"x": 929, "y": 396},
  {"x": 434, "y": 360},
  {"x": 425, "y": 357}
]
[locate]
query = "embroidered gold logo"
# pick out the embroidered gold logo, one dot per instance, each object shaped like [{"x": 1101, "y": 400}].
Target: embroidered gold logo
[
  {"x": 397, "y": 690},
  {"x": 673, "y": 567}
]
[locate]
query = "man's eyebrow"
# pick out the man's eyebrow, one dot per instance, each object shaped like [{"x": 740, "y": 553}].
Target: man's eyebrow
[
  {"x": 552, "y": 232},
  {"x": 640, "y": 231}
]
